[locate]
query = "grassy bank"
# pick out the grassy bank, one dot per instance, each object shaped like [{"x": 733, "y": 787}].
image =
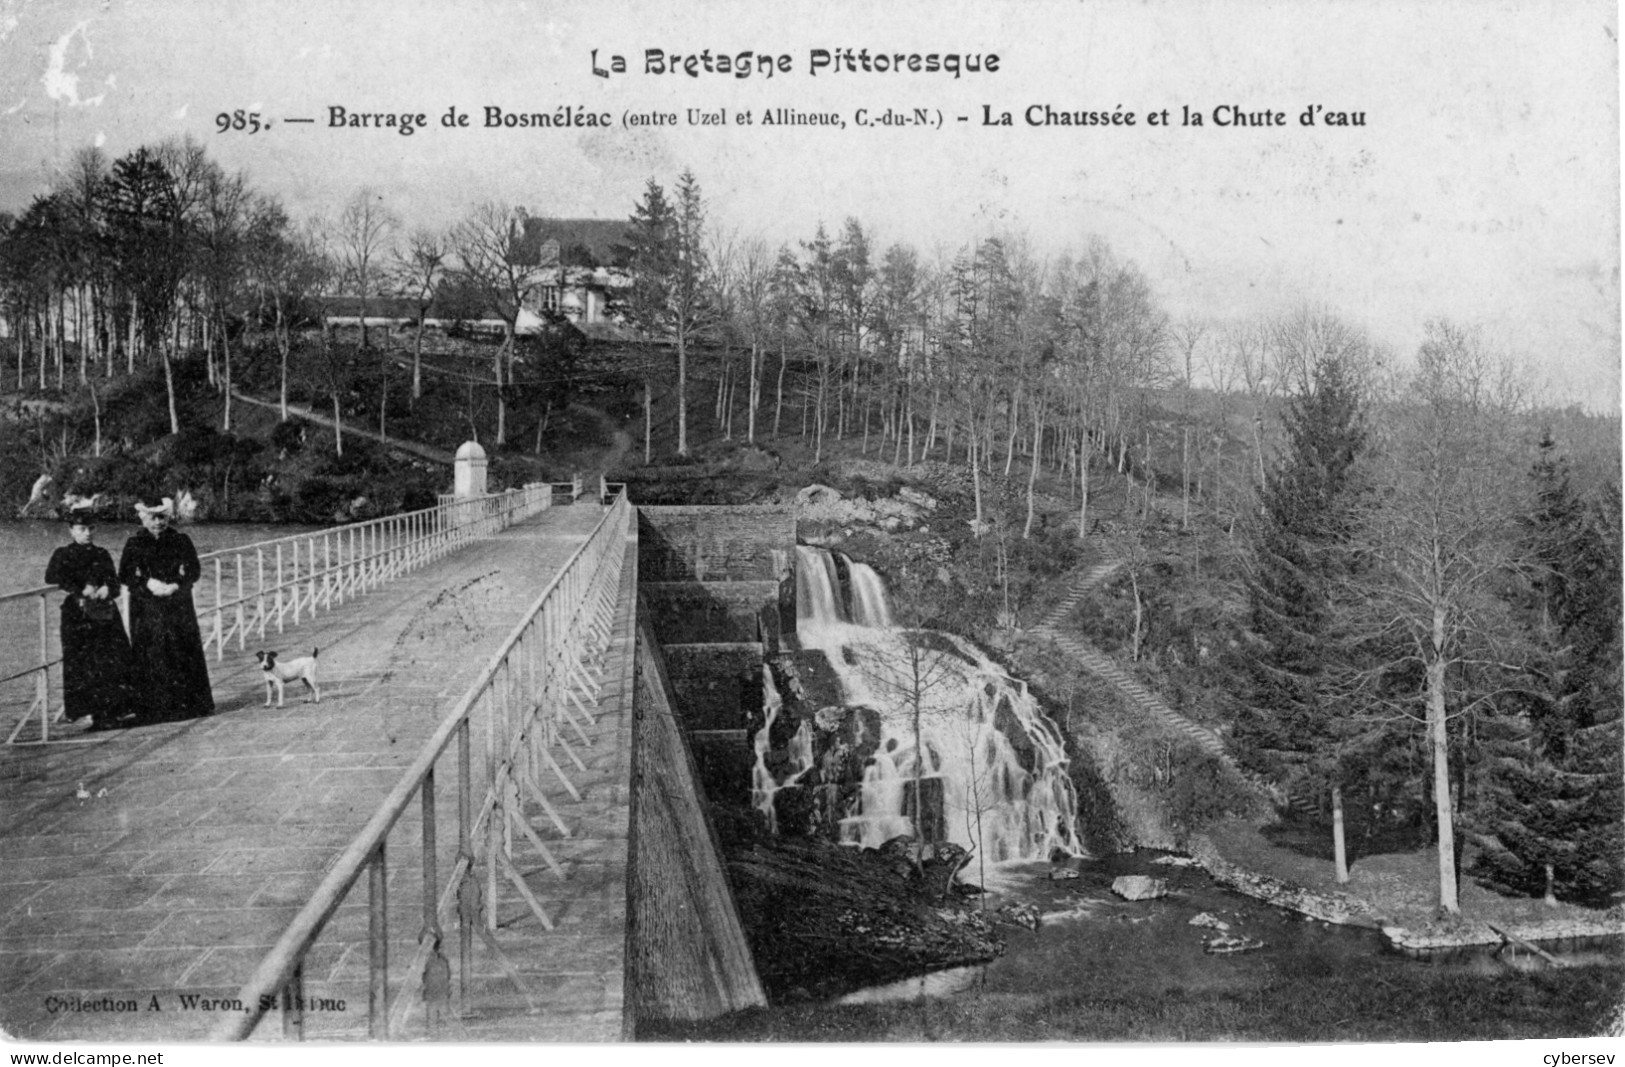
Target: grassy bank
[{"x": 1303, "y": 1004}]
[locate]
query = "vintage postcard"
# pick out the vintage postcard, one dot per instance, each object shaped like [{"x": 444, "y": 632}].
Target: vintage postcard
[{"x": 1072, "y": 521}]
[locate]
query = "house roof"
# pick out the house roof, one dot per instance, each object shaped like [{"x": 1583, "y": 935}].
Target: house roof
[{"x": 597, "y": 237}]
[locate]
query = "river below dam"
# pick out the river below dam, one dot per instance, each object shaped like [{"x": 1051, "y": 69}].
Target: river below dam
[{"x": 1088, "y": 935}]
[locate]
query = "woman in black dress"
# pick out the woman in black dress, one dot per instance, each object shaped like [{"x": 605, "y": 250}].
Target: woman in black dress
[
  {"x": 96, "y": 660},
  {"x": 159, "y": 565}
]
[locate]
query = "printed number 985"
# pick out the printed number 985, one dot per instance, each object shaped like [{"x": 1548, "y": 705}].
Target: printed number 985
[{"x": 227, "y": 121}]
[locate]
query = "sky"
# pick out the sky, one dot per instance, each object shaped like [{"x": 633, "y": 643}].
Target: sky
[{"x": 1482, "y": 187}]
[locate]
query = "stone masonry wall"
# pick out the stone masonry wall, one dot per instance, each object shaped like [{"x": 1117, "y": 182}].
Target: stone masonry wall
[
  {"x": 696, "y": 612},
  {"x": 717, "y": 686},
  {"x": 716, "y": 544}
]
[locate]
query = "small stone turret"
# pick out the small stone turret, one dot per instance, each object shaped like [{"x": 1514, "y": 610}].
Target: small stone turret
[{"x": 469, "y": 474}]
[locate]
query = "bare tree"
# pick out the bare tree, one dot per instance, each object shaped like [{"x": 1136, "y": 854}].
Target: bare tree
[
  {"x": 753, "y": 284},
  {"x": 285, "y": 266},
  {"x": 223, "y": 220},
  {"x": 419, "y": 268},
  {"x": 1188, "y": 336},
  {"x": 362, "y": 237},
  {"x": 1438, "y": 542},
  {"x": 494, "y": 266}
]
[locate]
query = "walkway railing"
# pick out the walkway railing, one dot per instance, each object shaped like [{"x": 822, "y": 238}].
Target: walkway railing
[
  {"x": 268, "y": 586},
  {"x": 530, "y": 706}
]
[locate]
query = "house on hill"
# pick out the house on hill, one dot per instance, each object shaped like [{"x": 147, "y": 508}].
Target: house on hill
[
  {"x": 581, "y": 267},
  {"x": 576, "y": 262}
]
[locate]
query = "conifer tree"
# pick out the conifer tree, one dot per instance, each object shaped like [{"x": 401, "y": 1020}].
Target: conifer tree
[
  {"x": 673, "y": 292},
  {"x": 1300, "y": 548},
  {"x": 1549, "y": 822}
]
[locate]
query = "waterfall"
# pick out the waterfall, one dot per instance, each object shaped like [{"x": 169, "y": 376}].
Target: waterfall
[
  {"x": 869, "y": 604},
  {"x": 993, "y": 766},
  {"x": 763, "y": 787},
  {"x": 818, "y": 589}
]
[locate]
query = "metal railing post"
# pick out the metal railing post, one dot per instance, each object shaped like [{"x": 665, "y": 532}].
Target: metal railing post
[
  {"x": 378, "y": 946},
  {"x": 279, "y": 587},
  {"x": 465, "y": 854},
  {"x": 219, "y": 615},
  {"x": 293, "y": 1005},
  {"x": 259, "y": 588},
  {"x": 42, "y": 689}
]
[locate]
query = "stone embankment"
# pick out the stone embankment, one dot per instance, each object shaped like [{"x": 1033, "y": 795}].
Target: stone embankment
[
  {"x": 1339, "y": 908},
  {"x": 1348, "y": 910}
]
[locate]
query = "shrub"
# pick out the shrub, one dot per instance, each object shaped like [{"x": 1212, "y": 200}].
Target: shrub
[{"x": 289, "y": 437}]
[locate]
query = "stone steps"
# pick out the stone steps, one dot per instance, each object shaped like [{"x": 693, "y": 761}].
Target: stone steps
[
  {"x": 1078, "y": 589},
  {"x": 1104, "y": 667}
]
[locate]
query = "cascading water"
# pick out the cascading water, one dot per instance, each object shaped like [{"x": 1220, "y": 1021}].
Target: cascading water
[
  {"x": 763, "y": 787},
  {"x": 984, "y": 753},
  {"x": 869, "y": 604}
]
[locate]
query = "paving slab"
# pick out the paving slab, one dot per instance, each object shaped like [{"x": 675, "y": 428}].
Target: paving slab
[{"x": 154, "y": 866}]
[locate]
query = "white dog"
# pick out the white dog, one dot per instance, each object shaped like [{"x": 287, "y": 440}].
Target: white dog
[{"x": 279, "y": 673}]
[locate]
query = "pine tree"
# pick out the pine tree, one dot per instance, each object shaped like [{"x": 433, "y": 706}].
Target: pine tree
[
  {"x": 1300, "y": 547},
  {"x": 673, "y": 291},
  {"x": 1550, "y": 819}
]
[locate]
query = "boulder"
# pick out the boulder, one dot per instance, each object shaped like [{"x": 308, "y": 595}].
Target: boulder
[
  {"x": 1063, "y": 874},
  {"x": 923, "y": 501},
  {"x": 1212, "y": 922},
  {"x": 818, "y": 494},
  {"x": 1226, "y": 945},
  {"x": 1022, "y": 914},
  {"x": 1139, "y": 887}
]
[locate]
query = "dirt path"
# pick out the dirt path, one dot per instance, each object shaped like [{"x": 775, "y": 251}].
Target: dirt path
[
  {"x": 617, "y": 451},
  {"x": 608, "y": 461},
  {"x": 428, "y": 452}
]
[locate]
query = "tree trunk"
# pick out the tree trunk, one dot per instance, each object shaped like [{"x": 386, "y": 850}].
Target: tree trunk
[
  {"x": 1083, "y": 486},
  {"x": 1439, "y": 734},
  {"x": 169, "y": 386},
  {"x": 1032, "y": 475},
  {"x": 502, "y": 407},
  {"x": 976, "y": 478},
  {"x": 1015, "y": 426},
  {"x": 682, "y": 394},
  {"x": 283, "y": 344},
  {"x": 210, "y": 373},
  {"x": 1139, "y": 612},
  {"x": 778, "y": 404},
  {"x": 129, "y": 352},
  {"x": 908, "y": 413},
  {"x": 541, "y": 426},
  {"x": 338, "y": 428},
  {"x": 755, "y": 391},
  {"x": 417, "y": 361},
  {"x": 225, "y": 368},
  {"x": 1185, "y": 469},
  {"x": 648, "y": 422},
  {"x": 1339, "y": 853}
]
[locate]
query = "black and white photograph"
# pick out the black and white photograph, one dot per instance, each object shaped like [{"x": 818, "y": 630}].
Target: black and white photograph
[{"x": 537, "y": 524}]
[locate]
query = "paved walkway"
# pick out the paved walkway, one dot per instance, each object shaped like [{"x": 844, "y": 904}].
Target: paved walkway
[{"x": 147, "y": 866}]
